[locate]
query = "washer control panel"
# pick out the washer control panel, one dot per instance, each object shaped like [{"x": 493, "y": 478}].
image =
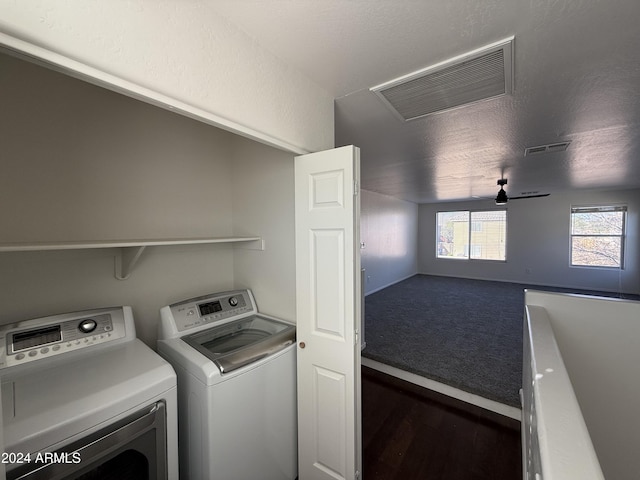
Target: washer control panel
[
  {"x": 37, "y": 339},
  {"x": 209, "y": 309}
]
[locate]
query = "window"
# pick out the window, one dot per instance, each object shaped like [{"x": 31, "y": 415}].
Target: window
[
  {"x": 477, "y": 226},
  {"x": 476, "y": 235},
  {"x": 597, "y": 236}
]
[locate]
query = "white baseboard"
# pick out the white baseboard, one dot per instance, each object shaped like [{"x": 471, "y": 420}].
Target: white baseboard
[
  {"x": 529, "y": 283},
  {"x": 389, "y": 284},
  {"x": 477, "y": 400}
]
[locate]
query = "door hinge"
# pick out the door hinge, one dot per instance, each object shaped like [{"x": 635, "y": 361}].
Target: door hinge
[
  {"x": 356, "y": 336},
  {"x": 357, "y": 474},
  {"x": 356, "y": 187}
]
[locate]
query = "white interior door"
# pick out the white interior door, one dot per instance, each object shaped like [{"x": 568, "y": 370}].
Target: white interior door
[{"x": 328, "y": 308}]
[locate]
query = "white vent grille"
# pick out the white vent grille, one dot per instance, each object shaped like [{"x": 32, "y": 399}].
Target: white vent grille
[
  {"x": 552, "y": 147},
  {"x": 478, "y": 75}
]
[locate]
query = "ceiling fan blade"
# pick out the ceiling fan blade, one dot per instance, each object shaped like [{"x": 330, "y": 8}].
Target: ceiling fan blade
[
  {"x": 530, "y": 196},
  {"x": 477, "y": 197}
]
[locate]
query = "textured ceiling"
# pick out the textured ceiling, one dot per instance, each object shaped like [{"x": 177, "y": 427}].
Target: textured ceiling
[{"x": 577, "y": 78}]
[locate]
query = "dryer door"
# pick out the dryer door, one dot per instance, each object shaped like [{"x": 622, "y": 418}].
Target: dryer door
[
  {"x": 2, "y": 475},
  {"x": 131, "y": 449}
]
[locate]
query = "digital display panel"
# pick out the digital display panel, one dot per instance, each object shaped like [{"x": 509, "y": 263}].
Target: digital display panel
[
  {"x": 209, "y": 308},
  {"x": 35, "y": 338}
]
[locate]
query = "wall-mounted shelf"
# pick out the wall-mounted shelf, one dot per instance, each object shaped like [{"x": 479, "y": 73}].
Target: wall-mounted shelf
[{"x": 130, "y": 250}]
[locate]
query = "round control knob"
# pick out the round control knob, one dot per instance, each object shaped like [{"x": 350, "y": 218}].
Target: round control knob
[
  {"x": 87, "y": 326},
  {"x": 233, "y": 301}
]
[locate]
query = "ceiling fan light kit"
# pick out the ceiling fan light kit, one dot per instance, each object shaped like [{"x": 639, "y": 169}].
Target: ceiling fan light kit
[{"x": 501, "y": 198}]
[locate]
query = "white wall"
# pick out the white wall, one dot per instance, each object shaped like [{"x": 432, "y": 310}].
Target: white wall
[
  {"x": 389, "y": 229},
  {"x": 83, "y": 163},
  {"x": 186, "y": 51},
  {"x": 597, "y": 339},
  {"x": 538, "y": 243}
]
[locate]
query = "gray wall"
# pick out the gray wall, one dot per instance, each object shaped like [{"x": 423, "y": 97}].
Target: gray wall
[
  {"x": 263, "y": 202},
  {"x": 388, "y": 227},
  {"x": 83, "y": 163},
  {"x": 538, "y": 243}
]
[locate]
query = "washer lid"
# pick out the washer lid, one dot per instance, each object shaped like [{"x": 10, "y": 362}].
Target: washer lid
[{"x": 238, "y": 343}]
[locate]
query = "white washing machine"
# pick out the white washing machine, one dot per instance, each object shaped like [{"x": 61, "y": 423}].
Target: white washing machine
[
  {"x": 83, "y": 398},
  {"x": 236, "y": 388}
]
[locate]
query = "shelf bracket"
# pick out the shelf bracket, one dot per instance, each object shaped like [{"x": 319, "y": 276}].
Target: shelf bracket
[
  {"x": 126, "y": 259},
  {"x": 257, "y": 244}
]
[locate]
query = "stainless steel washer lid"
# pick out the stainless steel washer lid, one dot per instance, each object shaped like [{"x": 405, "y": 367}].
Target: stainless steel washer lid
[{"x": 241, "y": 342}]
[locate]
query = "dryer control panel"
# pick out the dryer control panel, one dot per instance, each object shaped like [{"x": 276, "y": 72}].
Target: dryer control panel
[
  {"x": 212, "y": 309},
  {"x": 41, "y": 338}
]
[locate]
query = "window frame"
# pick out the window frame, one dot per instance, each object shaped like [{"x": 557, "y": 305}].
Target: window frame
[
  {"x": 622, "y": 236},
  {"x": 468, "y": 248}
]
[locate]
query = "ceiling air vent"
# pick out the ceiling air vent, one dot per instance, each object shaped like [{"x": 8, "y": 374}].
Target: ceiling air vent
[
  {"x": 550, "y": 148},
  {"x": 477, "y": 75}
]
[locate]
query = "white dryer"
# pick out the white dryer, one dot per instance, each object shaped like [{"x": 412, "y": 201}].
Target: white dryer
[
  {"x": 83, "y": 398},
  {"x": 236, "y": 388}
]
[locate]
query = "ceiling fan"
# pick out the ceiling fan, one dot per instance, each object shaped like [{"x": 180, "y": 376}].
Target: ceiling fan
[{"x": 502, "y": 198}]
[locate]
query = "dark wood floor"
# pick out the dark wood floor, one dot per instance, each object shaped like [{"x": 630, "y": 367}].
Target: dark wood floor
[{"x": 411, "y": 433}]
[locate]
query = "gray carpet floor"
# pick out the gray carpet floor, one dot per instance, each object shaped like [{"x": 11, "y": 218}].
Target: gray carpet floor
[{"x": 460, "y": 332}]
